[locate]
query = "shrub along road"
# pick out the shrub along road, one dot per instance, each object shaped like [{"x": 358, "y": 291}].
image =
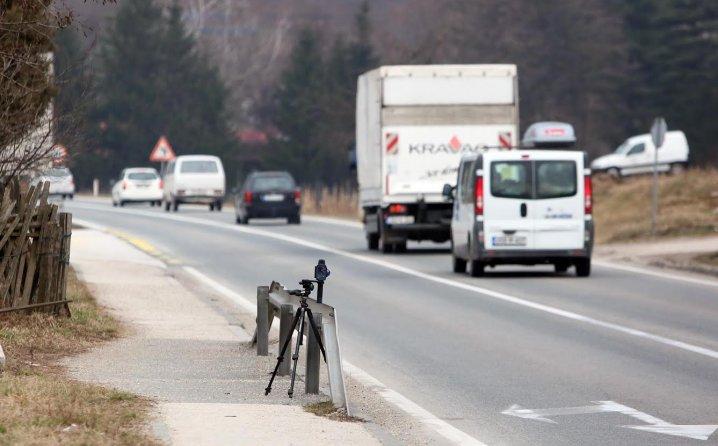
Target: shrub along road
[{"x": 471, "y": 350}]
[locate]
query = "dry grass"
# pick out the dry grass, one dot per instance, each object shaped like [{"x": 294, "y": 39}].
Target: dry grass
[
  {"x": 688, "y": 206},
  {"x": 710, "y": 260},
  {"x": 334, "y": 202},
  {"x": 326, "y": 409},
  {"x": 39, "y": 405}
]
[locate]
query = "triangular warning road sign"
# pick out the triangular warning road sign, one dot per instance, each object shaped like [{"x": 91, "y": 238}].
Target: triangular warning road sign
[{"x": 162, "y": 151}]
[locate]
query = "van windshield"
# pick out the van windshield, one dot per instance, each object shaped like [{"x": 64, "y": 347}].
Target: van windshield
[
  {"x": 198, "y": 167},
  {"x": 623, "y": 148}
]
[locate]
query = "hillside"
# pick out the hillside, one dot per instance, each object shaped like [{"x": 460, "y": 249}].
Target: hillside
[{"x": 688, "y": 205}]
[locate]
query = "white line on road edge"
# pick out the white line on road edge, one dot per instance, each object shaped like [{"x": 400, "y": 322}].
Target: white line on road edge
[
  {"x": 656, "y": 273},
  {"x": 443, "y": 428},
  {"x": 453, "y": 283}
]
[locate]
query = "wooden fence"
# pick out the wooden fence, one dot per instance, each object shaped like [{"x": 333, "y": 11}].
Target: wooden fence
[{"x": 34, "y": 251}]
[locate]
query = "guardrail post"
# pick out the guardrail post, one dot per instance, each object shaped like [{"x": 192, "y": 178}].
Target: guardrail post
[
  {"x": 313, "y": 358},
  {"x": 334, "y": 364},
  {"x": 285, "y": 325},
  {"x": 263, "y": 320}
]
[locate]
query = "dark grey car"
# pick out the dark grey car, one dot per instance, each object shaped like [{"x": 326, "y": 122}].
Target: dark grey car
[{"x": 271, "y": 194}]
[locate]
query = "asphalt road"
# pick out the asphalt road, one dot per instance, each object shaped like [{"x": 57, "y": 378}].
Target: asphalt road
[{"x": 468, "y": 349}]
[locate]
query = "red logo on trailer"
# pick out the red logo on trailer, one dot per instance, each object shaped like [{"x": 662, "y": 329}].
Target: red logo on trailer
[
  {"x": 455, "y": 143},
  {"x": 392, "y": 143},
  {"x": 162, "y": 151},
  {"x": 505, "y": 140}
]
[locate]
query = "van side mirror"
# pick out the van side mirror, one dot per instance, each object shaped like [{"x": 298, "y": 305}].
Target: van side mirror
[{"x": 448, "y": 191}]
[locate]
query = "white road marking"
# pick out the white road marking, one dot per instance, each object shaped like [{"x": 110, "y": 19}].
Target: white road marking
[
  {"x": 333, "y": 221},
  {"x": 654, "y": 424},
  {"x": 448, "y": 282},
  {"x": 441, "y": 427},
  {"x": 656, "y": 273}
]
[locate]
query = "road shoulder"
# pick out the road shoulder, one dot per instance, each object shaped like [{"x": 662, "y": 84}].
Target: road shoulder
[{"x": 195, "y": 362}]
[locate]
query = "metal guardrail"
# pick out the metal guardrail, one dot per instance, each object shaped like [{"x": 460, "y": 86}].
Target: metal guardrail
[{"x": 275, "y": 301}]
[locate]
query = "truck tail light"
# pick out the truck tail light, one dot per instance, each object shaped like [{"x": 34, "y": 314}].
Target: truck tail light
[
  {"x": 397, "y": 208},
  {"x": 587, "y": 195},
  {"x": 479, "y": 196},
  {"x": 297, "y": 196},
  {"x": 248, "y": 197}
]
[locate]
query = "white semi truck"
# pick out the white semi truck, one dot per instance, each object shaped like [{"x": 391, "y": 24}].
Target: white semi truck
[{"x": 413, "y": 125}]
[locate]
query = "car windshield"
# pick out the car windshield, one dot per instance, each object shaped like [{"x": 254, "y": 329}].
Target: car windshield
[
  {"x": 203, "y": 166},
  {"x": 623, "y": 148},
  {"x": 57, "y": 172},
  {"x": 277, "y": 182},
  {"x": 146, "y": 176}
]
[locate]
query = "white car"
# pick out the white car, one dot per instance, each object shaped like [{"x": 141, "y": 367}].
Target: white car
[
  {"x": 62, "y": 183},
  {"x": 194, "y": 179},
  {"x": 137, "y": 185},
  {"x": 636, "y": 155}
]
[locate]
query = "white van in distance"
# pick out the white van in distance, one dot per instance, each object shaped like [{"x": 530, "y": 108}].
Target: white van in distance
[
  {"x": 194, "y": 179},
  {"x": 636, "y": 155}
]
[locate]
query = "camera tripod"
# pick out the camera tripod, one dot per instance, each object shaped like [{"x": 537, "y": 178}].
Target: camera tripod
[{"x": 299, "y": 318}]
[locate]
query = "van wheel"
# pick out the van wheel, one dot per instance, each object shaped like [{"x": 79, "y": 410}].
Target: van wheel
[
  {"x": 152, "y": 204},
  {"x": 294, "y": 219},
  {"x": 583, "y": 267},
  {"x": 677, "y": 169},
  {"x": 218, "y": 206},
  {"x": 614, "y": 173},
  {"x": 560, "y": 267},
  {"x": 372, "y": 241},
  {"x": 114, "y": 204},
  {"x": 476, "y": 268},
  {"x": 122, "y": 203},
  {"x": 175, "y": 205},
  {"x": 211, "y": 207},
  {"x": 167, "y": 206},
  {"x": 458, "y": 264},
  {"x": 400, "y": 247}
]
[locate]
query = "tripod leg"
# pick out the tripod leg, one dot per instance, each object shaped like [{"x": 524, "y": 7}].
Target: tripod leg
[
  {"x": 280, "y": 358},
  {"x": 300, "y": 338},
  {"x": 316, "y": 334}
]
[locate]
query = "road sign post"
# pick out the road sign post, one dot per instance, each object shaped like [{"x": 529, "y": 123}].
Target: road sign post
[{"x": 658, "y": 134}]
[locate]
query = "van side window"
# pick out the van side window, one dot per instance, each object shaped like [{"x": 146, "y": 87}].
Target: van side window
[
  {"x": 465, "y": 182},
  {"x": 556, "y": 179},
  {"x": 511, "y": 179},
  {"x": 638, "y": 148}
]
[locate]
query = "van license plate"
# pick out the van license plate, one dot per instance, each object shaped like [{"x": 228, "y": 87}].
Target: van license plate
[
  {"x": 273, "y": 197},
  {"x": 509, "y": 240},
  {"x": 400, "y": 219}
]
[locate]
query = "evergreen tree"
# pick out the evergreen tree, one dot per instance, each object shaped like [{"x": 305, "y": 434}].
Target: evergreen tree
[
  {"x": 298, "y": 110},
  {"x": 674, "y": 51},
  {"x": 154, "y": 82}
]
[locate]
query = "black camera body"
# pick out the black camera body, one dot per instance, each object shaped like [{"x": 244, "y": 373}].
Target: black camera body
[{"x": 321, "y": 272}]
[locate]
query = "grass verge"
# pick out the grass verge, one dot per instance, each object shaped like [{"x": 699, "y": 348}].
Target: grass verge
[
  {"x": 39, "y": 404},
  {"x": 688, "y": 206},
  {"x": 710, "y": 260}
]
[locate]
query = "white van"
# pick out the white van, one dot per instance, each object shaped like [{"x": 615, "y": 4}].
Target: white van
[
  {"x": 194, "y": 179},
  {"x": 636, "y": 155},
  {"x": 522, "y": 207}
]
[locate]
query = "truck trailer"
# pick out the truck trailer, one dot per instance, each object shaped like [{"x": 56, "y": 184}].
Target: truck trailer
[{"x": 413, "y": 125}]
